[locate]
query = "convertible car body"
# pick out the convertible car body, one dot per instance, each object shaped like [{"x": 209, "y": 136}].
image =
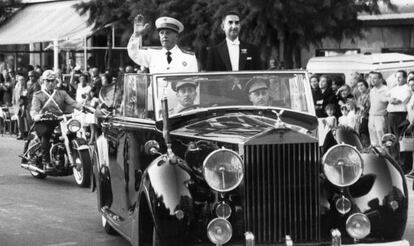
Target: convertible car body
[{"x": 223, "y": 171}]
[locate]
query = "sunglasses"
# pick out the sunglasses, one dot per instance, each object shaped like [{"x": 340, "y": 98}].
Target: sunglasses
[{"x": 50, "y": 80}]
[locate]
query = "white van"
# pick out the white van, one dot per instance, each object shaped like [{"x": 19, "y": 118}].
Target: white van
[{"x": 345, "y": 65}]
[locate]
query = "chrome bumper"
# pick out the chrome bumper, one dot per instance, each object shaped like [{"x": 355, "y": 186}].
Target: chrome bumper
[
  {"x": 335, "y": 239},
  {"x": 395, "y": 243}
]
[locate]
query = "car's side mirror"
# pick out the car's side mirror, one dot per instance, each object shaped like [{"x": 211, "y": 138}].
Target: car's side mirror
[{"x": 152, "y": 147}]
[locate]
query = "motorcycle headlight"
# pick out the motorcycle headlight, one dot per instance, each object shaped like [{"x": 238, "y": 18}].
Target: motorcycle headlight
[
  {"x": 223, "y": 170},
  {"x": 342, "y": 165},
  {"x": 74, "y": 125}
]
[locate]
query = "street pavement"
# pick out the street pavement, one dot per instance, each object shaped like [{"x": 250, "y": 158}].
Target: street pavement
[
  {"x": 55, "y": 212},
  {"x": 49, "y": 212}
]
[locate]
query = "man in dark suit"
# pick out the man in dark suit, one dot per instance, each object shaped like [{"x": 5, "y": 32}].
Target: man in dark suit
[{"x": 233, "y": 54}]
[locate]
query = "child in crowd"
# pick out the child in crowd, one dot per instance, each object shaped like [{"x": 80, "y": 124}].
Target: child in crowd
[
  {"x": 349, "y": 117},
  {"x": 330, "y": 120},
  {"x": 328, "y": 123}
]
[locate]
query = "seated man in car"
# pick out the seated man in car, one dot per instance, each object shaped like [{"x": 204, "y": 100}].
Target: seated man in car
[
  {"x": 186, "y": 91},
  {"x": 49, "y": 100},
  {"x": 258, "y": 91}
]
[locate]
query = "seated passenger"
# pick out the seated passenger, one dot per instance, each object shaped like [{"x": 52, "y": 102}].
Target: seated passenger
[
  {"x": 258, "y": 90},
  {"x": 186, "y": 94}
]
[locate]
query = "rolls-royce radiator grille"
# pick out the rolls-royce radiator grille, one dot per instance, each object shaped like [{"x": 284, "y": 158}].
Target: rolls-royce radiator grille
[{"x": 282, "y": 192}]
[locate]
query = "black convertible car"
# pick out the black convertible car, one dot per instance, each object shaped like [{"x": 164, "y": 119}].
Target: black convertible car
[{"x": 233, "y": 159}]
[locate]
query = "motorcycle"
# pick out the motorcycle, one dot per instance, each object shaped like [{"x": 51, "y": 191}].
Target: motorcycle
[{"x": 69, "y": 151}]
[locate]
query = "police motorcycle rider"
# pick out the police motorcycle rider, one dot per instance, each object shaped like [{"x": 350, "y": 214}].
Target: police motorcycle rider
[{"x": 49, "y": 100}]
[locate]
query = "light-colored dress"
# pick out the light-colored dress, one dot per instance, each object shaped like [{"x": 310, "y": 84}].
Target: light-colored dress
[{"x": 325, "y": 125}]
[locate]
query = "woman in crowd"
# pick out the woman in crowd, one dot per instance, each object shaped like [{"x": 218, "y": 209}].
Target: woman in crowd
[
  {"x": 363, "y": 111},
  {"x": 327, "y": 95},
  {"x": 83, "y": 88},
  {"x": 19, "y": 101},
  {"x": 337, "y": 82},
  {"x": 7, "y": 88},
  {"x": 344, "y": 94},
  {"x": 316, "y": 93}
]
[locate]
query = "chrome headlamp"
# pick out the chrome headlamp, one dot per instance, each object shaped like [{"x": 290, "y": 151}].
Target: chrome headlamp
[
  {"x": 74, "y": 125},
  {"x": 219, "y": 231},
  {"x": 358, "y": 226},
  {"x": 342, "y": 165},
  {"x": 223, "y": 170}
]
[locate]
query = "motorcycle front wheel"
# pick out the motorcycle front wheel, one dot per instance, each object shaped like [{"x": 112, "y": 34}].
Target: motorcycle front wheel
[{"x": 82, "y": 168}]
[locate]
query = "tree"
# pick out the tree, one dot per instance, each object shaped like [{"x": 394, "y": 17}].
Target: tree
[
  {"x": 8, "y": 8},
  {"x": 287, "y": 25},
  {"x": 102, "y": 13}
]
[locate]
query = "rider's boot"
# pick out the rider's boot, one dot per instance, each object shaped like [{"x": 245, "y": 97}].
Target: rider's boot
[{"x": 46, "y": 162}]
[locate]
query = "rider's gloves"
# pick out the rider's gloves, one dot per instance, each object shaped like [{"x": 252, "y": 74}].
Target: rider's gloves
[{"x": 37, "y": 117}]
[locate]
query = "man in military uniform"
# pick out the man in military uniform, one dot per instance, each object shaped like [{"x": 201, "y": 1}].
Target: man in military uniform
[
  {"x": 186, "y": 94},
  {"x": 49, "y": 100},
  {"x": 258, "y": 90},
  {"x": 167, "y": 59}
]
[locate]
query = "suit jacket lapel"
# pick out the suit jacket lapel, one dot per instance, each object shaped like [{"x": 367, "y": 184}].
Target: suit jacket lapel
[
  {"x": 224, "y": 53},
  {"x": 242, "y": 55}
]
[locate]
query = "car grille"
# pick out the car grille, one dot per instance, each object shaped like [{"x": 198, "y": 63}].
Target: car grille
[{"x": 282, "y": 192}]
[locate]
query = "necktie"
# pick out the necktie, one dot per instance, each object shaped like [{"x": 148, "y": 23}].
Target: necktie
[{"x": 169, "y": 59}]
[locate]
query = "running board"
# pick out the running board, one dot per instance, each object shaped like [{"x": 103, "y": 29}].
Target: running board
[{"x": 32, "y": 168}]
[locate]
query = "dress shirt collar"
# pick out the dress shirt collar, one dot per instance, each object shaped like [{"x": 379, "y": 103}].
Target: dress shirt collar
[
  {"x": 235, "y": 42},
  {"x": 173, "y": 51}
]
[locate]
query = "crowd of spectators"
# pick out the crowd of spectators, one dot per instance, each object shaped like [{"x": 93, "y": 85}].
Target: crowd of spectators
[
  {"x": 17, "y": 89},
  {"x": 366, "y": 104}
]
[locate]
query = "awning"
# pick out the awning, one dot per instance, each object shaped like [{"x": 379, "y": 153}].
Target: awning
[{"x": 43, "y": 22}]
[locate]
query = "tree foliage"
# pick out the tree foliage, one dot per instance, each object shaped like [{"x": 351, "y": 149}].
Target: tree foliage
[
  {"x": 8, "y": 8},
  {"x": 287, "y": 24}
]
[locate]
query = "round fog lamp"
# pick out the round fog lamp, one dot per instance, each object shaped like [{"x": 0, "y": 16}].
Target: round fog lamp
[
  {"x": 343, "y": 205},
  {"x": 74, "y": 126},
  {"x": 219, "y": 231},
  {"x": 342, "y": 165},
  {"x": 223, "y": 170},
  {"x": 223, "y": 210},
  {"x": 358, "y": 226}
]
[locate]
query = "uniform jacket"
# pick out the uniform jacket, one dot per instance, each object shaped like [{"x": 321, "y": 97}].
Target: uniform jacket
[
  {"x": 218, "y": 58},
  {"x": 156, "y": 59},
  {"x": 61, "y": 97}
]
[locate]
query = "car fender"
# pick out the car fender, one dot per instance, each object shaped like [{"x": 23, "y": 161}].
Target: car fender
[
  {"x": 382, "y": 194},
  {"x": 165, "y": 186},
  {"x": 101, "y": 172},
  {"x": 340, "y": 135}
]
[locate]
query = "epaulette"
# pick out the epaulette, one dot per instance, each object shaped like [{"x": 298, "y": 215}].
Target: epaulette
[{"x": 187, "y": 52}]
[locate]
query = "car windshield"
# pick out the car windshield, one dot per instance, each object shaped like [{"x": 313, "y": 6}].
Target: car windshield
[{"x": 194, "y": 92}]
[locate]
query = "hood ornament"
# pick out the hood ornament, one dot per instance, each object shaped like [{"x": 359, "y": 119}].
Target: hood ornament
[{"x": 279, "y": 123}]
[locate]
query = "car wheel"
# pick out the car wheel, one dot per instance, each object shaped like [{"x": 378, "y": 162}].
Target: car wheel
[
  {"x": 82, "y": 168},
  {"x": 107, "y": 227}
]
